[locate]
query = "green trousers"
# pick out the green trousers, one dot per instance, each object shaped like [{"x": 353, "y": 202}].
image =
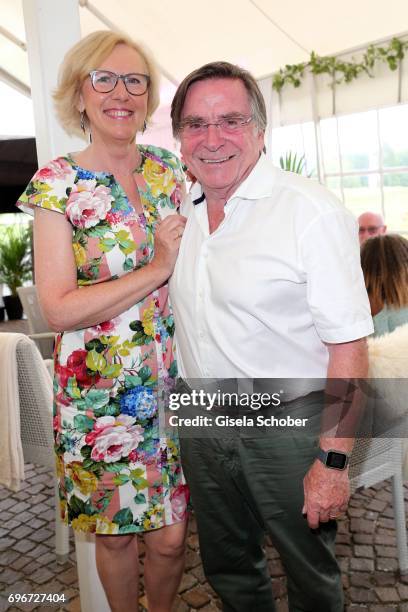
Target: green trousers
[{"x": 244, "y": 486}]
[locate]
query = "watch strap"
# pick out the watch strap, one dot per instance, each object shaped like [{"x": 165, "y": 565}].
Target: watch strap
[{"x": 334, "y": 459}]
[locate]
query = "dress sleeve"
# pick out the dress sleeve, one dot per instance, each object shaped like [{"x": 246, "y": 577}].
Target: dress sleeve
[{"x": 49, "y": 188}]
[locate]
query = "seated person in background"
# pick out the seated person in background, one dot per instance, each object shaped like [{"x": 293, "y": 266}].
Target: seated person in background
[
  {"x": 384, "y": 260},
  {"x": 370, "y": 224}
]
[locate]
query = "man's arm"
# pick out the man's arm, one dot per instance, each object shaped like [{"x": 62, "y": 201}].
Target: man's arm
[{"x": 327, "y": 490}]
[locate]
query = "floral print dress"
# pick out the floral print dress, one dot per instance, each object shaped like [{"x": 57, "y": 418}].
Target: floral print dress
[{"x": 119, "y": 469}]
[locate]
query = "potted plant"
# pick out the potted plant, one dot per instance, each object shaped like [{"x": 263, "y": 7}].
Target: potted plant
[
  {"x": 293, "y": 163},
  {"x": 15, "y": 265}
]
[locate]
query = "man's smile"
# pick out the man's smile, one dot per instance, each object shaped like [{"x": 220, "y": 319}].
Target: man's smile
[{"x": 220, "y": 160}]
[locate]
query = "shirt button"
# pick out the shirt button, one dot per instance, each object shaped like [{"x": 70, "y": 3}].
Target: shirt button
[{"x": 201, "y": 334}]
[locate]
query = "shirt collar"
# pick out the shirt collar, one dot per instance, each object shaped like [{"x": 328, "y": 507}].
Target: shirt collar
[{"x": 258, "y": 184}]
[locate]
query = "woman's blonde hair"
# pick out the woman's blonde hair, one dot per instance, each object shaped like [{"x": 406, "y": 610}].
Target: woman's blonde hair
[
  {"x": 85, "y": 56},
  {"x": 384, "y": 260}
]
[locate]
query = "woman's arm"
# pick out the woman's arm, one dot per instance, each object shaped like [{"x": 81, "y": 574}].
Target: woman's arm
[{"x": 65, "y": 306}]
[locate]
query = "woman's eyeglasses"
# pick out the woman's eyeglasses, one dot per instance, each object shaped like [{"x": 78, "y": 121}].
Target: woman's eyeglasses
[{"x": 104, "y": 81}]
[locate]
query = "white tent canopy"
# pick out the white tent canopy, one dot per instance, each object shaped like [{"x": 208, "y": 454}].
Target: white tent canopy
[{"x": 261, "y": 35}]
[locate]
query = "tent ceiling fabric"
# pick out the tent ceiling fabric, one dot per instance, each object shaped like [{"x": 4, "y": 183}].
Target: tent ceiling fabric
[
  {"x": 261, "y": 35},
  {"x": 330, "y": 27}
]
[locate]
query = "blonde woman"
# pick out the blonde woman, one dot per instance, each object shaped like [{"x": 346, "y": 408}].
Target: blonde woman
[{"x": 106, "y": 240}]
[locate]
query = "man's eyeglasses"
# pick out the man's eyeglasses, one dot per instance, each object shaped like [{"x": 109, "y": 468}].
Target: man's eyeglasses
[
  {"x": 104, "y": 81},
  {"x": 228, "y": 125},
  {"x": 371, "y": 229}
]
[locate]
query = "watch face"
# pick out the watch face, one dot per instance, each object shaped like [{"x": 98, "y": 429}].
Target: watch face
[{"x": 336, "y": 460}]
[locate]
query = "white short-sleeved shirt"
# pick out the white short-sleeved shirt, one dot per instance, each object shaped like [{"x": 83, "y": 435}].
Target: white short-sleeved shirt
[{"x": 280, "y": 276}]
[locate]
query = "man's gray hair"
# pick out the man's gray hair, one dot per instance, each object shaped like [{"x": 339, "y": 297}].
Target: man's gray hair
[{"x": 219, "y": 70}]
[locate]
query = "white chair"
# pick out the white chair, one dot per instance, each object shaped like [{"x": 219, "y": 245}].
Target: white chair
[
  {"x": 374, "y": 460},
  {"x": 38, "y": 447},
  {"x": 35, "y": 399},
  {"x": 37, "y": 325},
  {"x": 378, "y": 458}
]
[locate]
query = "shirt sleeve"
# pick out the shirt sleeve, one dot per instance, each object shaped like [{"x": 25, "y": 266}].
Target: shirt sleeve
[
  {"x": 49, "y": 187},
  {"x": 336, "y": 292}
]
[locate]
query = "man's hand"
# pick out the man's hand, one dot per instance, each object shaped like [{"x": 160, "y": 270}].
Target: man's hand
[{"x": 327, "y": 492}]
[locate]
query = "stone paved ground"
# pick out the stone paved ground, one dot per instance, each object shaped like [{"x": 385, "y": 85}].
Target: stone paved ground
[{"x": 365, "y": 547}]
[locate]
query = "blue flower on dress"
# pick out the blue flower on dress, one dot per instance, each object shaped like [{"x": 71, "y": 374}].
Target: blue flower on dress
[
  {"x": 124, "y": 207},
  {"x": 83, "y": 174},
  {"x": 139, "y": 402}
]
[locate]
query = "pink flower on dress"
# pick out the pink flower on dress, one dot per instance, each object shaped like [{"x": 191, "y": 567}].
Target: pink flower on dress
[
  {"x": 61, "y": 398},
  {"x": 134, "y": 456},
  {"x": 76, "y": 366},
  {"x": 179, "y": 499},
  {"x": 104, "y": 327},
  {"x": 114, "y": 437},
  {"x": 57, "y": 422},
  {"x": 113, "y": 218},
  {"x": 56, "y": 169},
  {"x": 88, "y": 204},
  {"x": 177, "y": 196}
]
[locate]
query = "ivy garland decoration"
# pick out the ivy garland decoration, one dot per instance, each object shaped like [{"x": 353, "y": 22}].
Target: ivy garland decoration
[{"x": 342, "y": 71}]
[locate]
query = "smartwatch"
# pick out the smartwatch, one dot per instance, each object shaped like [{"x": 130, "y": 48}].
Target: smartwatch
[{"x": 333, "y": 459}]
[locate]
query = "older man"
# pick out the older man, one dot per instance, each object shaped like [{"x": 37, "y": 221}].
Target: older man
[
  {"x": 370, "y": 224},
  {"x": 267, "y": 285}
]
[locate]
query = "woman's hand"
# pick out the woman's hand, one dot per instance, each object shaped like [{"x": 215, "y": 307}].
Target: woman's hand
[{"x": 167, "y": 243}]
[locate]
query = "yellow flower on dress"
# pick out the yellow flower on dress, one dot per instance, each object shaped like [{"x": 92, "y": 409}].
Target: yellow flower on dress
[
  {"x": 146, "y": 524},
  {"x": 150, "y": 210},
  {"x": 147, "y": 320},
  {"x": 85, "y": 481},
  {"x": 79, "y": 254},
  {"x": 63, "y": 510},
  {"x": 105, "y": 526},
  {"x": 85, "y": 523},
  {"x": 154, "y": 517},
  {"x": 160, "y": 179},
  {"x": 172, "y": 451},
  {"x": 59, "y": 466},
  {"x": 40, "y": 190}
]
